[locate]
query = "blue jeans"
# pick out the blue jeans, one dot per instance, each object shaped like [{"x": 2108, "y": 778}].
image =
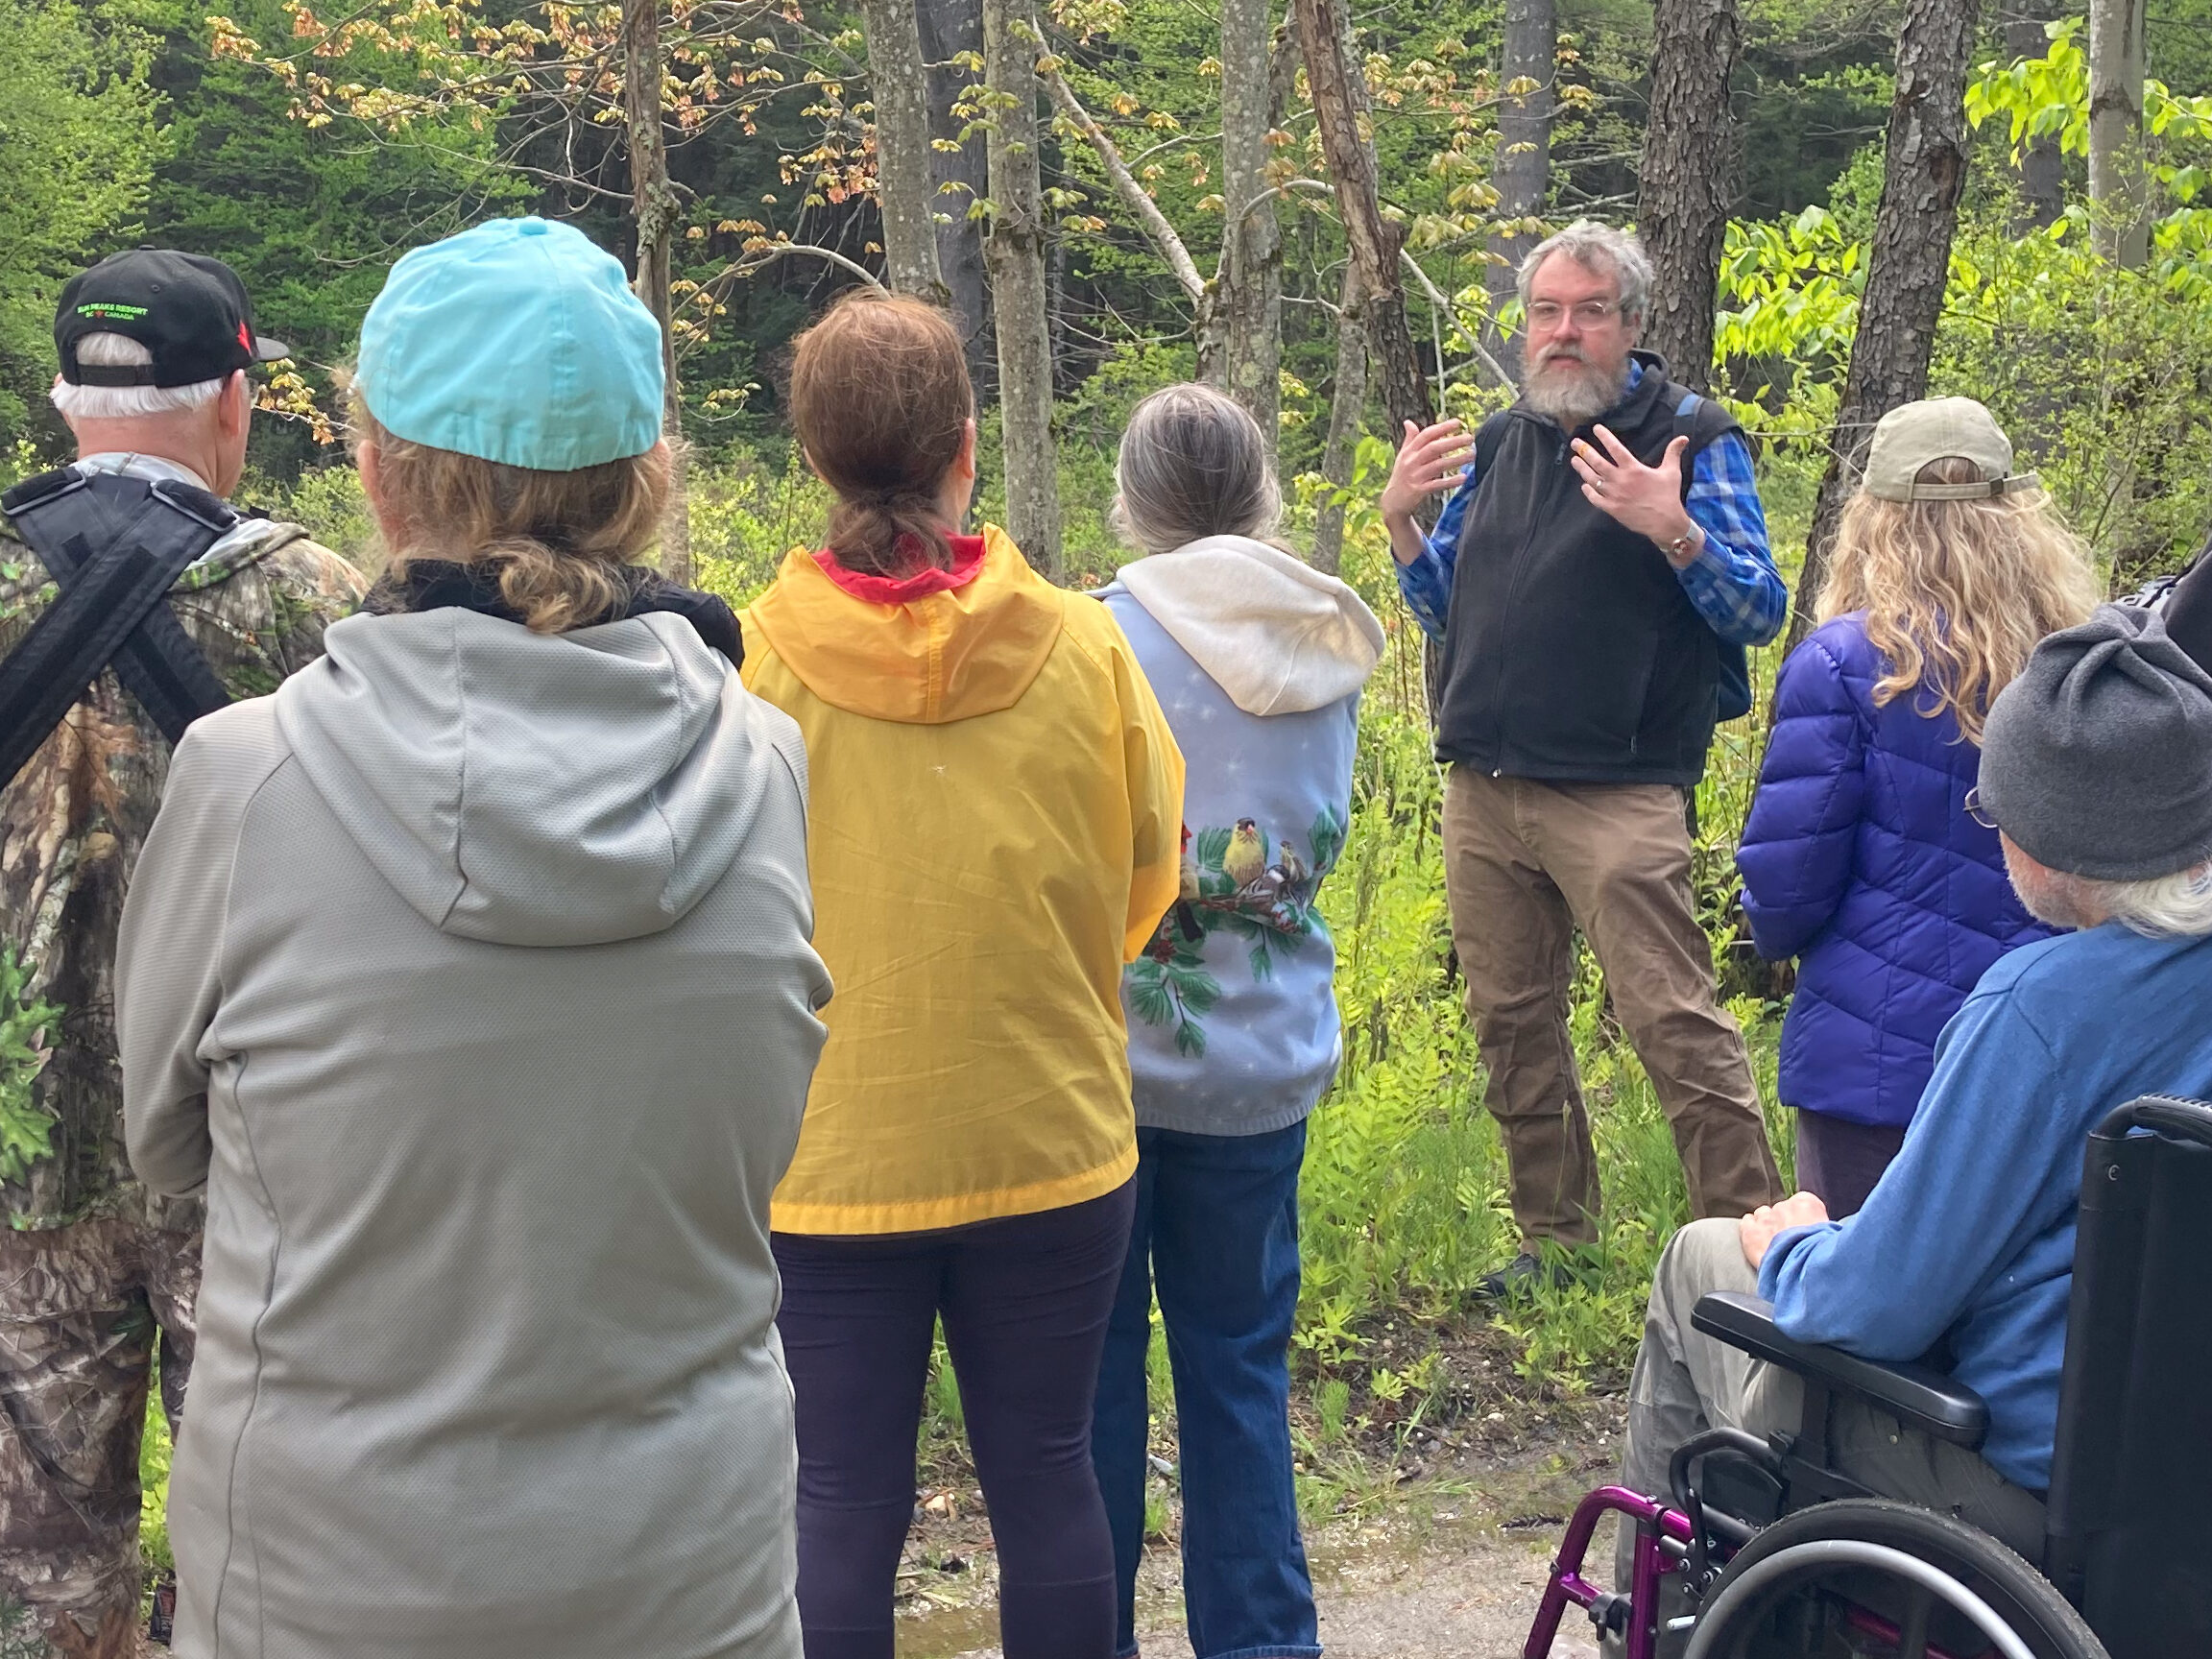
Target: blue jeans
[{"x": 1216, "y": 1228}]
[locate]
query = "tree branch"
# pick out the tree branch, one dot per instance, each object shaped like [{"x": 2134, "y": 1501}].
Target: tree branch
[
  {"x": 1444, "y": 307},
  {"x": 761, "y": 258},
  {"x": 1157, "y": 230}
]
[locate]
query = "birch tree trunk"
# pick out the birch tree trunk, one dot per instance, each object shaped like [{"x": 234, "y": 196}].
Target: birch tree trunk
[
  {"x": 1251, "y": 281},
  {"x": 1925, "y": 171},
  {"x": 950, "y": 28},
  {"x": 1013, "y": 252},
  {"x": 1528, "y": 66},
  {"x": 652, "y": 216},
  {"x": 1339, "y": 90},
  {"x": 2117, "y": 187},
  {"x": 1687, "y": 174},
  {"x": 902, "y": 189},
  {"x": 1347, "y": 414}
]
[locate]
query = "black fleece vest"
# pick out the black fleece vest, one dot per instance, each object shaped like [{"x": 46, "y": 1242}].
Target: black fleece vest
[{"x": 1571, "y": 651}]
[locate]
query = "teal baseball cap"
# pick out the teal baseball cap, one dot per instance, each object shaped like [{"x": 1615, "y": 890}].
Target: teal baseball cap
[{"x": 516, "y": 341}]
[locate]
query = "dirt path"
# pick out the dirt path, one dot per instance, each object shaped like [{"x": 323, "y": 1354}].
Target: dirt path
[
  {"x": 1448, "y": 1566},
  {"x": 1469, "y": 1601}
]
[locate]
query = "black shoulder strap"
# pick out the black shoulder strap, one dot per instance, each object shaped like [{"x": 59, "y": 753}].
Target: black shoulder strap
[{"x": 114, "y": 547}]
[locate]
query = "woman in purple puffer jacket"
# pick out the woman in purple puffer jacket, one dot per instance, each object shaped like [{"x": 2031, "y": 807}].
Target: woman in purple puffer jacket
[{"x": 1863, "y": 858}]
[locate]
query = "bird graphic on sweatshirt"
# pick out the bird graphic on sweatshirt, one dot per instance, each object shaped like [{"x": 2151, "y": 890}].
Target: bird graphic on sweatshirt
[{"x": 1245, "y": 860}]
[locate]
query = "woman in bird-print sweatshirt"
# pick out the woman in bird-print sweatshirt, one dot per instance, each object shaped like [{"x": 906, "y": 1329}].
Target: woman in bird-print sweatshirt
[{"x": 1259, "y": 662}]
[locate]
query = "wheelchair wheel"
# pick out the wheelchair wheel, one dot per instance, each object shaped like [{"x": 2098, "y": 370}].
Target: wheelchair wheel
[{"x": 1864, "y": 1578}]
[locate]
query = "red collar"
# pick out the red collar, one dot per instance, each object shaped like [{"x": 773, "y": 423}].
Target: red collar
[{"x": 967, "y": 561}]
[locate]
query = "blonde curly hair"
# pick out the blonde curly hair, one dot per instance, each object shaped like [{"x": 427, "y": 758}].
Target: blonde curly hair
[{"x": 1957, "y": 594}]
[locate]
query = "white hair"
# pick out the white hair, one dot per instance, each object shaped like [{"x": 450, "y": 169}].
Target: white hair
[
  {"x": 1597, "y": 247},
  {"x": 2176, "y": 906},
  {"x": 126, "y": 403}
]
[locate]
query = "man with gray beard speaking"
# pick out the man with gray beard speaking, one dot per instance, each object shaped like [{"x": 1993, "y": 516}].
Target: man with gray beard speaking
[{"x": 1592, "y": 582}]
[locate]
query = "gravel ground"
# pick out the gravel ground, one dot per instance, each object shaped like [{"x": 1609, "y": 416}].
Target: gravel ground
[
  {"x": 1469, "y": 1600},
  {"x": 1446, "y": 1566}
]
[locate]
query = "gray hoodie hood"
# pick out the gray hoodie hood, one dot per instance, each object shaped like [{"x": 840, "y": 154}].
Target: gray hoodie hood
[{"x": 525, "y": 788}]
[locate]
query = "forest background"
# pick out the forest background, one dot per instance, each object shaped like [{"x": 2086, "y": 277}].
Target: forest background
[{"x": 1853, "y": 202}]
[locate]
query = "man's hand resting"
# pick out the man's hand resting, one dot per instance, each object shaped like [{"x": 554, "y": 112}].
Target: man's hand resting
[{"x": 1758, "y": 1228}]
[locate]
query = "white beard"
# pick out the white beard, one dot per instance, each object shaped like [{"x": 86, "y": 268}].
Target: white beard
[{"x": 1571, "y": 391}]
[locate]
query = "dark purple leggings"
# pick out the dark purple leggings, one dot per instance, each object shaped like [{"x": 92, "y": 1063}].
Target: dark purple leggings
[
  {"x": 1840, "y": 1162},
  {"x": 1024, "y": 1302}
]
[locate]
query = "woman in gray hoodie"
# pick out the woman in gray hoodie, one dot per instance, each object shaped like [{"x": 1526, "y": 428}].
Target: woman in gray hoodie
[{"x": 469, "y": 975}]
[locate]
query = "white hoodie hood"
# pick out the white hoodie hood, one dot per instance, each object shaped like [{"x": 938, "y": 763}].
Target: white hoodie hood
[
  {"x": 524, "y": 789},
  {"x": 1278, "y": 636}
]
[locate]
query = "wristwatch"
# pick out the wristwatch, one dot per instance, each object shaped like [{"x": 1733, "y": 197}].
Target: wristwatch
[{"x": 1683, "y": 546}]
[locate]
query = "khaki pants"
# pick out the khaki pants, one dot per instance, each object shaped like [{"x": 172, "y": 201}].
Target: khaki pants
[
  {"x": 83, "y": 1309},
  {"x": 1686, "y": 1381},
  {"x": 1526, "y": 864}
]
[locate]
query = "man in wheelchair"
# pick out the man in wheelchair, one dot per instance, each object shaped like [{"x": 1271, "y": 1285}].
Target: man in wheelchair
[{"x": 2097, "y": 768}]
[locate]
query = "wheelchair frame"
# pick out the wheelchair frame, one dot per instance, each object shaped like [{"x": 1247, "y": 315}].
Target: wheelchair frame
[{"x": 2147, "y": 1183}]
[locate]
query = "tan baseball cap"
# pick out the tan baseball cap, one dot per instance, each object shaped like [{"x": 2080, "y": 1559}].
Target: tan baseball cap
[{"x": 1912, "y": 435}]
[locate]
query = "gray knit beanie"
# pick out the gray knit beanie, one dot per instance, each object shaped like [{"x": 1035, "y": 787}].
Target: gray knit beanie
[{"x": 2098, "y": 758}]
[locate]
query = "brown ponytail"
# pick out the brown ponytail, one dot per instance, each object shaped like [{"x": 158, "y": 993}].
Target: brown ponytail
[{"x": 880, "y": 398}]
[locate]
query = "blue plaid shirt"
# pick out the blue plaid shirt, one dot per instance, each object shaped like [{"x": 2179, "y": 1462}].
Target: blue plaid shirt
[{"x": 1732, "y": 582}]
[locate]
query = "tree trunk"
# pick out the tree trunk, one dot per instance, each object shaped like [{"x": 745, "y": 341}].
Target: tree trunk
[
  {"x": 1347, "y": 414},
  {"x": 1523, "y": 175},
  {"x": 1251, "y": 281},
  {"x": 1925, "y": 170},
  {"x": 950, "y": 28},
  {"x": 1339, "y": 90},
  {"x": 1014, "y": 252},
  {"x": 2040, "y": 176},
  {"x": 1688, "y": 172},
  {"x": 2117, "y": 188},
  {"x": 904, "y": 192},
  {"x": 653, "y": 215}
]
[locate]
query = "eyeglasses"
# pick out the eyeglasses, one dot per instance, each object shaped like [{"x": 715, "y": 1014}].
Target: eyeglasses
[
  {"x": 1977, "y": 812},
  {"x": 1546, "y": 315}
]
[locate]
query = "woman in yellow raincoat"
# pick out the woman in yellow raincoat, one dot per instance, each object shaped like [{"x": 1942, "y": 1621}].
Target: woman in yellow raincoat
[{"x": 995, "y": 830}]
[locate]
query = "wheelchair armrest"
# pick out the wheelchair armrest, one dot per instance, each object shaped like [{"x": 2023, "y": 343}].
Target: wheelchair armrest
[{"x": 1917, "y": 1395}]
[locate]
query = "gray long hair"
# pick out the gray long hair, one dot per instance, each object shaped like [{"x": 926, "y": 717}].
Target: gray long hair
[
  {"x": 1597, "y": 247},
  {"x": 1193, "y": 462}
]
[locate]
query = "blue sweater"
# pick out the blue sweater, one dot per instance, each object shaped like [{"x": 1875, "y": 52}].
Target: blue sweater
[
  {"x": 1861, "y": 860},
  {"x": 1971, "y": 1230}
]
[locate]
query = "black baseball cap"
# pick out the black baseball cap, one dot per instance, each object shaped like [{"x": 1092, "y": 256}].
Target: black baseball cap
[{"x": 190, "y": 311}]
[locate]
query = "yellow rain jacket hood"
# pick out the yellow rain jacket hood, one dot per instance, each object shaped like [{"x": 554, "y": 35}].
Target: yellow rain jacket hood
[{"x": 995, "y": 830}]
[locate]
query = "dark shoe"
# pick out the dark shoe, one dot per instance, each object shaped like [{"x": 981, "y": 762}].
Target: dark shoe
[{"x": 1519, "y": 1277}]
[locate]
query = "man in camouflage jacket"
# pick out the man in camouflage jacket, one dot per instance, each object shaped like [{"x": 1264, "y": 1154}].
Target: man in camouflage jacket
[{"x": 95, "y": 1271}]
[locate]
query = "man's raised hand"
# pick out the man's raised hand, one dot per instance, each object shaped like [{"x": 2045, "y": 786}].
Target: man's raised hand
[
  {"x": 1644, "y": 498},
  {"x": 1430, "y": 462}
]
